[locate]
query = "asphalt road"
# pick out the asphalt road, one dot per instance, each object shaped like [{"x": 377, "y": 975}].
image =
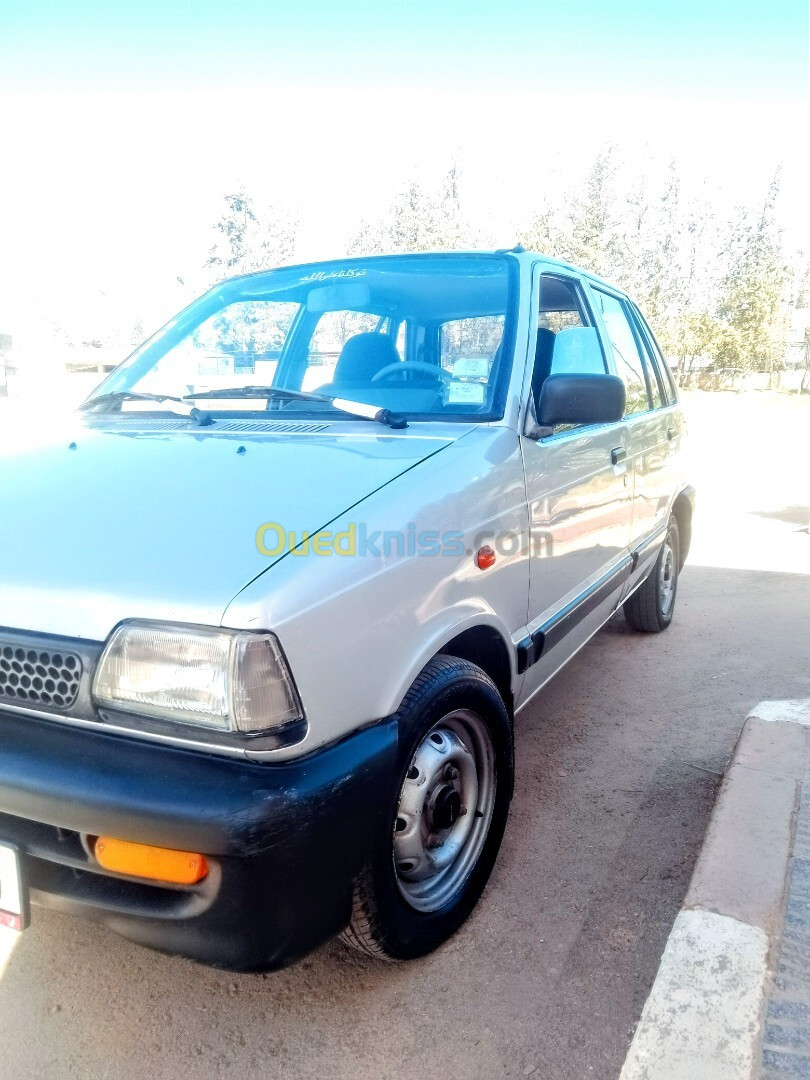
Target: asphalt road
[{"x": 617, "y": 769}]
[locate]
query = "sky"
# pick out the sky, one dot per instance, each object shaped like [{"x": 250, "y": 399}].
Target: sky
[
  {"x": 727, "y": 47},
  {"x": 123, "y": 125}
]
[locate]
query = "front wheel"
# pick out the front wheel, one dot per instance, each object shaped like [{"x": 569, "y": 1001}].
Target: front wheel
[
  {"x": 652, "y": 605},
  {"x": 441, "y": 834}
]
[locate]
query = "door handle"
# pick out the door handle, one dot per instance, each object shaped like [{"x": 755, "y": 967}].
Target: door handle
[
  {"x": 670, "y": 433},
  {"x": 617, "y": 454}
]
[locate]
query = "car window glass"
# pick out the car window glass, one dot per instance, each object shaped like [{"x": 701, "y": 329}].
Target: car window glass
[
  {"x": 629, "y": 361},
  {"x": 560, "y": 318},
  {"x": 655, "y": 387},
  {"x": 661, "y": 391},
  {"x": 420, "y": 335},
  {"x": 333, "y": 330},
  {"x": 560, "y": 304},
  {"x": 566, "y": 344},
  {"x": 577, "y": 352},
  {"x": 656, "y": 359},
  {"x": 400, "y": 339},
  {"x": 243, "y": 339},
  {"x": 467, "y": 347}
]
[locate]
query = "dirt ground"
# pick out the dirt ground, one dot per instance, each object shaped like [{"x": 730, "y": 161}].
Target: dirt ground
[{"x": 617, "y": 768}]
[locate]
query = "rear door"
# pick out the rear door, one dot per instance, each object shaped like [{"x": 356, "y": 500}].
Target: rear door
[
  {"x": 651, "y": 427},
  {"x": 676, "y": 427}
]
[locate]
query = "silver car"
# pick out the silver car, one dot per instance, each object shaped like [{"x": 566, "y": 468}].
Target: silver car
[{"x": 272, "y": 602}]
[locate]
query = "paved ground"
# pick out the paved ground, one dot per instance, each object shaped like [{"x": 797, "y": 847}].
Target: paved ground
[
  {"x": 737, "y": 953},
  {"x": 618, "y": 765},
  {"x": 786, "y": 1035}
]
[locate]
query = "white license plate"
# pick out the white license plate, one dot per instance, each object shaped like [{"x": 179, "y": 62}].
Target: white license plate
[{"x": 12, "y": 894}]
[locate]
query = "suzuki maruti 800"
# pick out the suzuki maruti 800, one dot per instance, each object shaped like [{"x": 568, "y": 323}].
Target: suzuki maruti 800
[{"x": 273, "y": 602}]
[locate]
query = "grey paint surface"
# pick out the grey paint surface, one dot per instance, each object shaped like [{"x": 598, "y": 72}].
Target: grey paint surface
[
  {"x": 742, "y": 865},
  {"x": 616, "y": 781},
  {"x": 786, "y": 1029},
  {"x": 786, "y": 1034},
  {"x": 708, "y": 1013},
  {"x": 702, "y": 1017}
]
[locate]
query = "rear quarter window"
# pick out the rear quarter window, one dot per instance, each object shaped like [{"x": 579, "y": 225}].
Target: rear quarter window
[
  {"x": 627, "y": 355},
  {"x": 669, "y": 392}
]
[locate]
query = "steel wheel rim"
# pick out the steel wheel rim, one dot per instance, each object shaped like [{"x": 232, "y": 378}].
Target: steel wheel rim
[
  {"x": 444, "y": 810},
  {"x": 667, "y": 577}
]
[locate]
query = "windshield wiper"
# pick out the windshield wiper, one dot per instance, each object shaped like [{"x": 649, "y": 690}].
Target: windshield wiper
[
  {"x": 197, "y": 415},
  {"x": 353, "y": 408}
]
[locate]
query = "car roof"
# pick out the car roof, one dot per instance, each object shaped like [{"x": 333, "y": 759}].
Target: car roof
[
  {"x": 518, "y": 252},
  {"x": 537, "y": 256}
]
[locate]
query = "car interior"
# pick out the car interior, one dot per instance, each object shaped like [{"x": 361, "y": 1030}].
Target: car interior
[
  {"x": 435, "y": 347},
  {"x": 566, "y": 343}
]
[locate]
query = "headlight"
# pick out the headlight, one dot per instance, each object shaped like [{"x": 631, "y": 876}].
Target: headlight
[{"x": 227, "y": 680}]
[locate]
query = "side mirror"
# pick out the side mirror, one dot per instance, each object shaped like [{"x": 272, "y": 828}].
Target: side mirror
[{"x": 581, "y": 399}]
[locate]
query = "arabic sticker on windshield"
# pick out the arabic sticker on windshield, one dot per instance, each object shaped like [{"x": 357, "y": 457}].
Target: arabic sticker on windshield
[
  {"x": 471, "y": 367},
  {"x": 333, "y": 275},
  {"x": 461, "y": 393}
]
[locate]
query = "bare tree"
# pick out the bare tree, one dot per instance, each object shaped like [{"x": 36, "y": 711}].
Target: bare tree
[
  {"x": 250, "y": 239},
  {"x": 753, "y": 288}
]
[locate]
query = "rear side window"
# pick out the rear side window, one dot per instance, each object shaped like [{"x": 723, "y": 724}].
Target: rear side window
[
  {"x": 655, "y": 387},
  {"x": 655, "y": 357},
  {"x": 630, "y": 363}
]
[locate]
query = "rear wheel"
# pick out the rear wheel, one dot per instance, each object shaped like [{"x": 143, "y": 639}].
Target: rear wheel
[
  {"x": 443, "y": 829},
  {"x": 652, "y": 605}
]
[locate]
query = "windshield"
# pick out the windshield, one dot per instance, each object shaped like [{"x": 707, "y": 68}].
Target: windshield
[{"x": 423, "y": 336}]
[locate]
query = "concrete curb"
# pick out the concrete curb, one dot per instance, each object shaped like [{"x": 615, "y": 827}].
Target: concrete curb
[{"x": 703, "y": 1018}]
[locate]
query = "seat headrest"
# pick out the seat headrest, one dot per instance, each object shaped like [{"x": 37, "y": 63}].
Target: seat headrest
[
  {"x": 545, "y": 341},
  {"x": 542, "y": 358},
  {"x": 577, "y": 351},
  {"x": 363, "y": 356}
]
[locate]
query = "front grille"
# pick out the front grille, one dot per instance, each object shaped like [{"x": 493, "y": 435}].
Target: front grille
[{"x": 38, "y": 676}]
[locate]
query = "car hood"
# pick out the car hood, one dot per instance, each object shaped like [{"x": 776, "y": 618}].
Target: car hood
[{"x": 99, "y": 525}]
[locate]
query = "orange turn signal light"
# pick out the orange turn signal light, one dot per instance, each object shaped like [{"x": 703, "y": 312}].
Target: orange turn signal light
[
  {"x": 485, "y": 557},
  {"x": 145, "y": 861}
]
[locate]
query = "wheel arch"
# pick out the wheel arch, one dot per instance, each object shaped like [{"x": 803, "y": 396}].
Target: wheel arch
[
  {"x": 683, "y": 508},
  {"x": 486, "y": 648}
]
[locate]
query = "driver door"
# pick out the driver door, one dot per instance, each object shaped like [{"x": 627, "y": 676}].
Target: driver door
[{"x": 578, "y": 492}]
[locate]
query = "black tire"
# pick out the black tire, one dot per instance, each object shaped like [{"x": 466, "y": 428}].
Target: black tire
[
  {"x": 384, "y": 921},
  {"x": 652, "y": 605}
]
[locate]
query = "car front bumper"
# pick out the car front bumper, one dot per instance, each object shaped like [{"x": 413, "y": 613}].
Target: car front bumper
[{"x": 284, "y": 842}]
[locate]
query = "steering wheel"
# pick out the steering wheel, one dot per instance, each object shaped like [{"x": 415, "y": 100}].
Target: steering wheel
[{"x": 412, "y": 365}]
